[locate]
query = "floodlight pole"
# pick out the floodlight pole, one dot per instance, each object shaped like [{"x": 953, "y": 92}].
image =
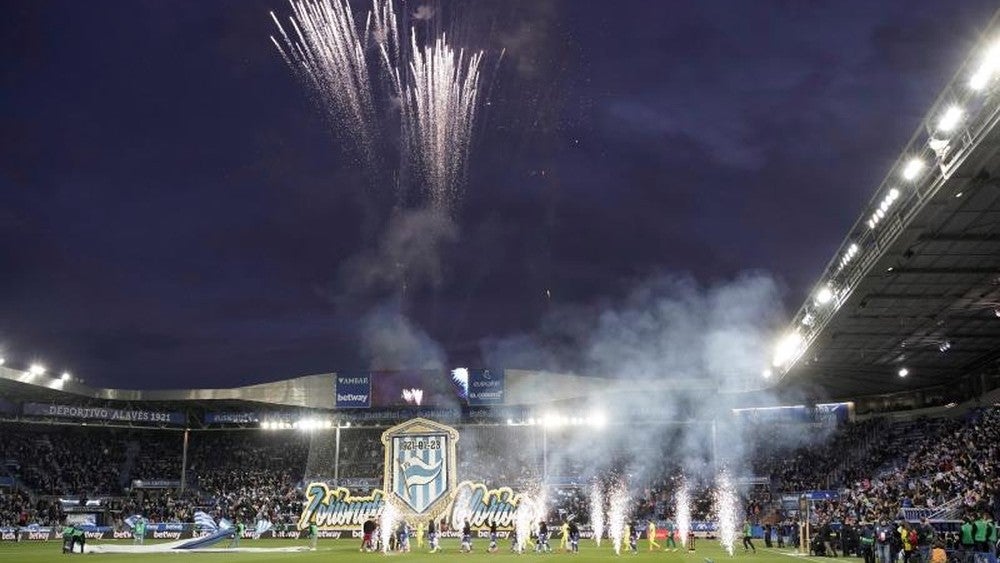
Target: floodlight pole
[
  {"x": 545, "y": 454},
  {"x": 336, "y": 457},
  {"x": 715, "y": 445},
  {"x": 184, "y": 460}
]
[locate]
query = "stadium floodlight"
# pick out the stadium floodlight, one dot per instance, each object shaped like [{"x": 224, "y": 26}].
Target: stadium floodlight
[
  {"x": 552, "y": 420},
  {"x": 36, "y": 369},
  {"x": 912, "y": 169},
  {"x": 510, "y": 422},
  {"x": 787, "y": 349},
  {"x": 766, "y": 374},
  {"x": 824, "y": 295},
  {"x": 987, "y": 67},
  {"x": 950, "y": 119},
  {"x": 598, "y": 420},
  {"x": 903, "y": 372},
  {"x": 2, "y": 360},
  {"x": 944, "y": 346},
  {"x": 66, "y": 376}
]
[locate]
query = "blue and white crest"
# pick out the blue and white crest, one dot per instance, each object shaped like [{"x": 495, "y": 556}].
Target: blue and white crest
[
  {"x": 421, "y": 471},
  {"x": 420, "y": 464}
]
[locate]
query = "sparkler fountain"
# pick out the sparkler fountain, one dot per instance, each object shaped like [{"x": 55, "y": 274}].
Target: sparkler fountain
[
  {"x": 617, "y": 514},
  {"x": 683, "y": 513},
  {"x": 387, "y": 525},
  {"x": 597, "y": 512},
  {"x": 726, "y": 510}
]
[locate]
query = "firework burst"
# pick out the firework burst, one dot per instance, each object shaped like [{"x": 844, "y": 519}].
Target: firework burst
[{"x": 435, "y": 87}]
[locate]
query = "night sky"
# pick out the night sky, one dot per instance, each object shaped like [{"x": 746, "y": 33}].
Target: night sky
[{"x": 176, "y": 212}]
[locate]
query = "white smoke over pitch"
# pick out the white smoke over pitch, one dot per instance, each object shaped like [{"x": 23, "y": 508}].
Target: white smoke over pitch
[{"x": 669, "y": 327}]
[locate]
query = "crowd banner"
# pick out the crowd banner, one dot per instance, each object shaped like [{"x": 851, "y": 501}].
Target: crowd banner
[
  {"x": 156, "y": 483},
  {"x": 822, "y": 495},
  {"x": 359, "y": 482},
  {"x": 353, "y": 391},
  {"x": 104, "y": 413},
  {"x": 828, "y": 414},
  {"x": 486, "y": 387},
  {"x": 232, "y": 418}
]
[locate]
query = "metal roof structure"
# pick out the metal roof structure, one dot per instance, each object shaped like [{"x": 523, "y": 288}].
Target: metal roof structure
[{"x": 912, "y": 297}]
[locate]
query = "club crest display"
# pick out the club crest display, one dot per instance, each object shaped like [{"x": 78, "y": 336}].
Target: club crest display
[{"x": 420, "y": 465}]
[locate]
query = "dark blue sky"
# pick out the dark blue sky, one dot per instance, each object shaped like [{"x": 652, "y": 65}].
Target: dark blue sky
[{"x": 175, "y": 212}]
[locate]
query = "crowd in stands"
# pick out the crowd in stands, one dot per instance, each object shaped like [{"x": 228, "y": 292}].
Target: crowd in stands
[
  {"x": 878, "y": 467},
  {"x": 17, "y": 509},
  {"x": 64, "y": 460},
  {"x": 959, "y": 461}
]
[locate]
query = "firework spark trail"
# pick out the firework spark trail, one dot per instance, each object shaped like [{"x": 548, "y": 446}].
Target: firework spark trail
[
  {"x": 387, "y": 523},
  {"x": 597, "y": 512},
  {"x": 439, "y": 109},
  {"x": 683, "y": 513},
  {"x": 436, "y": 86},
  {"x": 726, "y": 510},
  {"x": 617, "y": 514},
  {"x": 326, "y": 52}
]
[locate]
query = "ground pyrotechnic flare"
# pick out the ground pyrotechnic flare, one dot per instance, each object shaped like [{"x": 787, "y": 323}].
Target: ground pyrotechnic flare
[
  {"x": 524, "y": 521},
  {"x": 387, "y": 524},
  {"x": 597, "y": 512},
  {"x": 462, "y": 510},
  {"x": 727, "y": 512},
  {"x": 618, "y": 502},
  {"x": 683, "y": 512}
]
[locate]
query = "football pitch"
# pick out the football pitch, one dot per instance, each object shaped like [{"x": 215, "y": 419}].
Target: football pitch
[{"x": 343, "y": 551}]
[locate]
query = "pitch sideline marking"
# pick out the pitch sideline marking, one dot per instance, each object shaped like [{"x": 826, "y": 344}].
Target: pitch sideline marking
[{"x": 797, "y": 556}]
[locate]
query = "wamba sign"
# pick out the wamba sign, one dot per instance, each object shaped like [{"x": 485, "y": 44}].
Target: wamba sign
[{"x": 420, "y": 483}]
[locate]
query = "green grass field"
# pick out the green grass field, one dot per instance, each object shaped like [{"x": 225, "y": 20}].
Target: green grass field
[{"x": 344, "y": 551}]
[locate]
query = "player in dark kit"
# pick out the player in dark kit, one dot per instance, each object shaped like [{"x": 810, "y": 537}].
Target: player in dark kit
[
  {"x": 633, "y": 538},
  {"x": 493, "y": 536},
  {"x": 574, "y": 537},
  {"x": 467, "y": 537},
  {"x": 432, "y": 535},
  {"x": 543, "y": 538}
]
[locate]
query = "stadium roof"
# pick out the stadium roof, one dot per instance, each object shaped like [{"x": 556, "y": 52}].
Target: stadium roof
[
  {"x": 316, "y": 391},
  {"x": 912, "y": 297}
]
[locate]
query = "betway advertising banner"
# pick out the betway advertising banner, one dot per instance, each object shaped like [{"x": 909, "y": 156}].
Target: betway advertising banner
[
  {"x": 179, "y": 532},
  {"x": 104, "y": 413},
  {"x": 486, "y": 386},
  {"x": 354, "y": 391}
]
